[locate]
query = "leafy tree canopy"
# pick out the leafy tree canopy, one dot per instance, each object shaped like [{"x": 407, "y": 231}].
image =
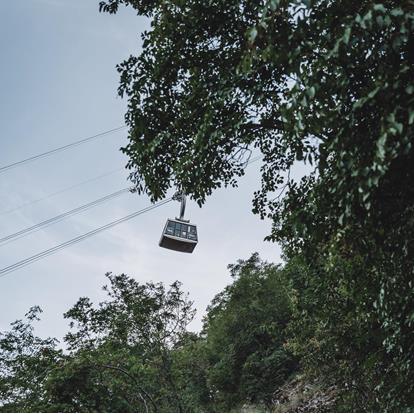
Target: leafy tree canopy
[
  {"x": 245, "y": 331},
  {"x": 119, "y": 355},
  {"x": 324, "y": 82},
  {"x": 133, "y": 352}
]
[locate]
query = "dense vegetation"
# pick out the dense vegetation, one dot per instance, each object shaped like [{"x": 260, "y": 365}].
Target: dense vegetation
[
  {"x": 134, "y": 353},
  {"x": 325, "y": 83}
]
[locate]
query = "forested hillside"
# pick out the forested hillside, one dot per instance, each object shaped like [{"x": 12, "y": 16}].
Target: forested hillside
[
  {"x": 133, "y": 352},
  {"x": 328, "y": 84},
  {"x": 276, "y": 339}
]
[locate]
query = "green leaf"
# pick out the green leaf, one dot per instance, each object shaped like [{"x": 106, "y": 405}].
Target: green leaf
[
  {"x": 346, "y": 35},
  {"x": 252, "y": 34},
  {"x": 409, "y": 89},
  {"x": 398, "y": 11},
  {"x": 311, "y": 92},
  {"x": 410, "y": 117},
  {"x": 379, "y": 8}
]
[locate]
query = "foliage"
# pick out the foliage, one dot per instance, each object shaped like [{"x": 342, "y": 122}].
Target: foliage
[
  {"x": 333, "y": 330},
  {"x": 325, "y": 83},
  {"x": 133, "y": 352},
  {"x": 330, "y": 83},
  {"x": 245, "y": 333},
  {"x": 25, "y": 361},
  {"x": 119, "y": 356}
]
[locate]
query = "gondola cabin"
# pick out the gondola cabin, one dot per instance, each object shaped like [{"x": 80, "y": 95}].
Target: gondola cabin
[{"x": 179, "y": 235}]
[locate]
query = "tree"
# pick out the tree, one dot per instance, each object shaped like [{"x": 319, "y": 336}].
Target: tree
[
  {"x": 119, "y": 355},
  {"x": 190, "y": 370},
  {"x": 327, "y": 83},
  {"x": 133, "y": 352},
  {"x": 25, "y": 362},
  {"x": 245, "y": 333}
]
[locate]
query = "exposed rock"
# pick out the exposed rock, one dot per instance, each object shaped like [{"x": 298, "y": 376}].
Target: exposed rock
[{"x": 300, "y": 395}]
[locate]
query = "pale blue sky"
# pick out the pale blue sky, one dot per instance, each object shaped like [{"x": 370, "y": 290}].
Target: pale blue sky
[{"x": 58, "y": 84}]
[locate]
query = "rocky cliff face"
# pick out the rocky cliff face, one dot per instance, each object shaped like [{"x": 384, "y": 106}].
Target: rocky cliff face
[{"x": 303, "y": 396}]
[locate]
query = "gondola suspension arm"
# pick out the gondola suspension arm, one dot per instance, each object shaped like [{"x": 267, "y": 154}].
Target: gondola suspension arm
[{"x": 180, "y": 196}]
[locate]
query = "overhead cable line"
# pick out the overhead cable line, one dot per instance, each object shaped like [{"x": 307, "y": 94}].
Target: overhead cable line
[
  {"x": 59, "y": 149},
  {"x": 60, "y": 217},
  {"x": 64, "y": 190},
  {"x": 254, "y": 159},
  {"x": 48, "y": 252}
]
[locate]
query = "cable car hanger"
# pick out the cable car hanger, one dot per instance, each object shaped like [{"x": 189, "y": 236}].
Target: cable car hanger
[
  {"x": 180, "y": 196},
  {"x": 179, "y": 234}
]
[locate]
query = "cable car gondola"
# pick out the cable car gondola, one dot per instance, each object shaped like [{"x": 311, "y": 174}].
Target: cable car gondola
[{"x": 179, "y": 234}]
